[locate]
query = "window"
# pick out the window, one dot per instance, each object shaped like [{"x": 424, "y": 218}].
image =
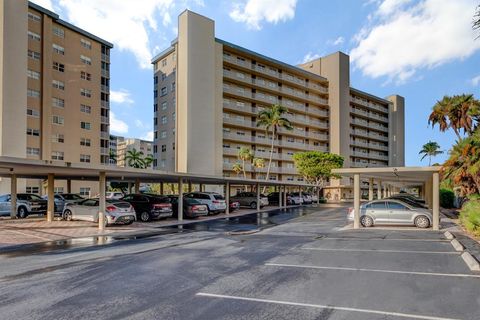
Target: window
[
  {"x": 155, "y": 107},
  {"x": 164, "y": 105},
  {"x": 85, "y": 192},
  {"x": 164, "y": 91},
  {"x": 58, "y": 190},
  {"x": 33, "y": 74},
  {"x": 163, "y": 163},
  {"x": 85, "y": 109},
  {"x": 173, "y": 117},
  {"x": 85, "y": 142},
  {"x": 57, "y": 155},
  {"x": 33, "y": 55},
  {"x": 57, "y": 102},
  {"x": 163, "y": 134},
  {"x": 164, "y": 120},
  {"x": 33, "y": 36},
  {"x": 86, "y": 44},
  {"x": 34, "y": 17},
  {"x": 85, "y": 60},
  {"x": 60, "y": 67},
  {"x": 58, "y": 84},
  {"x": 85, "y": 76},
  {"x": 58, "y": 138},
  {"x": 34, "y": 190},
  {"x": 33, "y": 151},
  {"x": 377, "y": 205},
  {"x": 84, "y": 158},
  {"x": 155, "y": 93},
  {"x": 173, "y": 87},
  {"x": 58, "y": 120},
  {"x": 85, "y": 125},
  {"x": 164, "y": 62},
  {"x": 33, "y": 113},
  {"x": 33, "y": 132},
  {"x": 58, "y": 49},
  {"x": 164, "y": 76},
  {"x": 164, "y": 147},
  {"x": 86, "y": 92},
  {"x": 396, "y": 206},
  {"x": 33, "y": 93},
  {"x": 59, "y": 32}
]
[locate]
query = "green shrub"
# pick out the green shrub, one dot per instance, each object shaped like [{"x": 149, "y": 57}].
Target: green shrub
[
  {"x": 446, "y": 198},
  {"x": 470, "y": 215}
]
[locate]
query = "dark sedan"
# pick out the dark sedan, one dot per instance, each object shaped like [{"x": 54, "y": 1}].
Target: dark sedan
[
  {"x": 191, "y": 207},
  {"x": 149, "y": 206}
]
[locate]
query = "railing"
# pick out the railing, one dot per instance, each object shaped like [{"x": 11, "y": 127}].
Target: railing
[
  {"x": 238, "y": 137},
  {"x": 317, "y": 111},
  {"x": 232, "y": 90},
  {"x": 235, "y": 121},
  {"x": 104, "y": 135},
  {"x": 105, "y": 104},
  {"x": 104, "y": 150},
  {"x": 264, "y": 98},
  {"x": 247, "y": 107},
  {"x": 105, "y": 120},
  {"x": 105, "y": 73},
  {"x": 105, "y": 88},
  {"x": 105, "y": 57},
  {"x": 233, "y": 75}
]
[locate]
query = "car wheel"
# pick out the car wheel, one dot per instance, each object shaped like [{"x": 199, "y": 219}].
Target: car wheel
[
  {"x": 145, "y": 216},
  {"x": 129, "y": 222},
  {"x": 67, "y": 215},
  {"x": 422, "y": 222},
  {"x": 253, "y": 205},
  {"x": 22, "y": 212},
  {"x": 366, "y": 221}
]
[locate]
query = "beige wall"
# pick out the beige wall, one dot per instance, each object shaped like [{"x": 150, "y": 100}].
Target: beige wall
[
  {"x": 196, "y": 135},
  {"x": 397, "y": 133}
]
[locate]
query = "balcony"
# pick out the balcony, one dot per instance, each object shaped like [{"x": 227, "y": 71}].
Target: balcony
[
  {"x": 246, "y": 107},
  {"x": 296, "y": 106},
  {"x": 105, "y": 135},
  {"x": 369, "y": 155},
  {"x": 105, "y": 73},
  {"x": 368, "y": 145},
  {"x": 235, "y": 76},
  {"x": 315, "y": 86},
  {"x": 105, "y": 88},
  {"x": 104, "y": 119},
  {"x": 369, "y": 135},
  {"x": 318, "y": 112},
  {"x": 105, "y": 104},
  {"x": 105, "y": 151},
  {"x": 265, "y": 70},
  {"x": 246, "y": 93},
  {"x": 292, "y": 79},
  {"x": 239, "y": 122},
  {"x": 233, "y": 60},
  {"x": 105, "y": 57},
  {"x": 265, "y": 98},
  {"x": 369, "y": 105},
  {"x": 237, "y": 137},
  {"x": 316, "y": 99},
  {"x": 369, "y": 115}
]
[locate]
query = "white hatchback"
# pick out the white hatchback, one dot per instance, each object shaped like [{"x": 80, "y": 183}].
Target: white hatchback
[{"x": 215, "y": 202}]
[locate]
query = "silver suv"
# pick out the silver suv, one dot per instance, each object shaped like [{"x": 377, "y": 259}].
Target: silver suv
[
  {"x": 214, "y": 201},
  {"x": 27, "y": 203},
  {"x": 249, "y": 199}
]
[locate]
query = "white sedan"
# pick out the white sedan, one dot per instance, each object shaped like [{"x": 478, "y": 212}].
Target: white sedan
[{"x": 116, "y": 211}]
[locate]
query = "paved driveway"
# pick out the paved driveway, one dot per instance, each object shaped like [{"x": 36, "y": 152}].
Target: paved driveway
[{"x": 308, "y": 268}]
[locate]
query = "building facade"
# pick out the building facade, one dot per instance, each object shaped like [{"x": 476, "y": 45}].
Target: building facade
[
  {"x": 62, "y": 112},
  {"x": 208, "y": 92},
  {"x": 120, "y": 146}
]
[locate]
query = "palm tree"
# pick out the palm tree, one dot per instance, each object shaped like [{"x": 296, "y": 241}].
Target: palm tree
[
  {"x": 441, "y": 115},
  {"x": 113, "y": 156},
  {"x": 244, "y": 154},
  {"x": 258, "y": 163},
  {"x": 237, "y": 168},
  {"x": 430, "y": 149},
  {"x": 272, "y": 120},
  {"x": 148, "y": 160},
  {"x": 134, "y": 158},
  {"x": 476, "y": 20}
]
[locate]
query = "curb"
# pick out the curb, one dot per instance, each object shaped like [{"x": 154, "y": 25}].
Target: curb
[
  {"x": 457, "y": 245},
  {"x": 449, "y": 235},
  {"x": 471, "y": 262}
]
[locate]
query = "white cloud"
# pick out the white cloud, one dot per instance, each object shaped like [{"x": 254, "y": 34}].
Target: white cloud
[
  {"x": 148, "y": 136},
  {"x": 475, "y": 81},
  {"x": 253, "y": 12},
  {"x": 47, "y": 4},
  {"x": 338, "y": 41},
  {"x": 309, "y": 57},
  {"x": 403, "y": 38},
  {"x": 125, "y": 23},
  {"x": 117, "y": 126},
  {"x": 121, "y": 96}
]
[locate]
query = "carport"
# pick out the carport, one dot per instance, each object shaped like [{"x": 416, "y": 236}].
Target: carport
[
  {"x": 15, "y": 168},
  {"x": 390, "y": 180}
]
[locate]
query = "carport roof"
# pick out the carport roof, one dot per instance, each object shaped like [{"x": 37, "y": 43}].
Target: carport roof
[
  {"x": 401, "y": 175},
  {"x": 39, "y": 169}
]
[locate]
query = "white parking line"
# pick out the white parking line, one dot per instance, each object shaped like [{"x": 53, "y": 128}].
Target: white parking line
[
  {"x": 387, "y": 239},
  {"x": 458, "y": 275},
  {"x": 382, "y": 251},
  {"x": 320, "y": 306}
]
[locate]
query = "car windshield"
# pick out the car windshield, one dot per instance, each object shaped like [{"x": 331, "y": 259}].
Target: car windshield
[
  {"x": 191, "y": 201},
  {"x": 218, "y": 197},
  {"x": 28, "y": 197},
  {"x": 71, "y": 196}
]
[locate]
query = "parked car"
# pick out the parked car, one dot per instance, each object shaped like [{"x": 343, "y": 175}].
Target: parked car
[
  {"x": 116, "y": 211},
  {"x": 307, "y": 197},
  {"x": 296, "y": 199},
  {"x": 314, "y": 197},
  {"x": 234, "y": 205},
  {"x": 191, "y": 207},
  {"x": 214, "y": 201},
  {"x": 391, "y": 211},
  {"x": 408, "y": 200},
  {"x": 114, "y": 195},
  {"x": 61, "y": 199},
  {"x": 249, "y": 199},
  {"x": 409, "y": 197},
  {"x": 150, "y": 206},
  {"x": 27, "y": 203},
  {"x": 274, "y": 197}
]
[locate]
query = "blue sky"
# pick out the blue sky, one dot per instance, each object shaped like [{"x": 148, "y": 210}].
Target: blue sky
[{"x": 421, "y": 50}]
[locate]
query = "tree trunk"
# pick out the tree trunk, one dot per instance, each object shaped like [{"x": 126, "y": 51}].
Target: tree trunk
[
  {"x": 270, "y": 158},
  {"x": 429, "y": 161}
]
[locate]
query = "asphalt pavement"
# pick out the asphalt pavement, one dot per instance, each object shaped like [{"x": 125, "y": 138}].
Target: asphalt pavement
[{"x": 301, "y": 263}]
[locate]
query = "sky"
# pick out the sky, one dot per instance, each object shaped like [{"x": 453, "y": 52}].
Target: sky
[{"x": 422, "y": 49}]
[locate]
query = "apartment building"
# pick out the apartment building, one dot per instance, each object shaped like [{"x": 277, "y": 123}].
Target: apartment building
[
  {"x": 208, "y": 92},
  {"x": 120, "y": 146},
  {"x": 62, "y": 112}
]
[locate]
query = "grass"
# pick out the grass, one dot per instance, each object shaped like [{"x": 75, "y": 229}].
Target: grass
[{"x": 470, "y": 215}]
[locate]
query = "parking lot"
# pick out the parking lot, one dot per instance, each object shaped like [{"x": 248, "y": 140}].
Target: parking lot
[{"x": 311, "y": 267}]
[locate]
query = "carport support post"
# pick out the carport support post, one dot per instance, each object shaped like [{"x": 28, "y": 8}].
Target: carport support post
[
  {"x": 435, "y": 200},
  {"x": 356, "y": 200},
  {"x": 379, "y": 190},
  {"x": 51, "y": 197},
  {"x": 69, "y": 185},
  {"x": 258, "y": 197},
  {"x": 102, "y": 182},
  {"x": 227, "y": 197},
  {"x": 280, "y": 196},
  {"x": 161, "y": 188},
  {"x": 385, "y": 191},
  {"x": 285, "y": 192},
  {"x": 180, "y": 200},
  {"x": 370, "y": 189},
  {"x": 13, "y": 196},
  {"x": 137, "y": 185}
]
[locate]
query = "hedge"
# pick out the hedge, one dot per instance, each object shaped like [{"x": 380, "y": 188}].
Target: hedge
[
  {"x": 447, "y": 198},
  {"x": 470, "y": 214}
]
